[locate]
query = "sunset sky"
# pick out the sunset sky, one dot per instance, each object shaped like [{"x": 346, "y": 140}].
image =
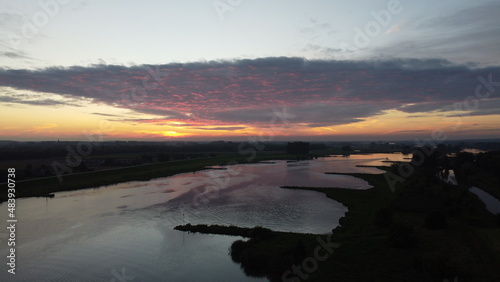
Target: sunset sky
[{"x": 233, "y": 70}]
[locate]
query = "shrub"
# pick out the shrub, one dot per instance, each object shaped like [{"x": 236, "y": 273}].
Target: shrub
[
  {"x": 342, "y": 221},
  {"x": 435, "y": 220},
  {"x": 237, "y": 249},
  {"x": 384, "y": 217},
  {"x": 402, "y": 236},
  {"x": 260, "y": 233}
]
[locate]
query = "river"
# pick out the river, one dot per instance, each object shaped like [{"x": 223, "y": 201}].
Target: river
[{"x": 124, "y": 232}]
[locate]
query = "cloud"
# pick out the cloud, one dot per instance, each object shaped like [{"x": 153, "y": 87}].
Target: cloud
[
  {"x": 106, "y": 115},
  {"x": 466, "y": 35},
  {"x": 308, "y": 114},
  {"x": 426, "y": 107},
  {"x": 10, "y": 95},
  {"x": 45, "y": 126},
  {"x": 476, "y": 107},
  {"x": 38, "y": 102},
  {"x": 243, "y": 92},
  {"x": 12, "y": 55},
  {"x": 327, "y": 52},
  {"x": 316, "y": 29},
  {"x": 222, "y": 128},
  {"x": 396, "y": 28}
]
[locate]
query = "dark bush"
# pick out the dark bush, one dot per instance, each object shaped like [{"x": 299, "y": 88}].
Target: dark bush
[
  {"x": 259, "y": 262},
  {"x": 402, "y": 236},
  {"x": 254, "y": 263},
  {"x": 260, "y": 233},
  {"x": 435, "y": 220},
  {"x": 384, "y": 217},
  {"x": 297, "y": 148},
  {"x": 342, "y": 221},
  {"x": 236, "y": 250},
  {"x": 299, "y": 251}
]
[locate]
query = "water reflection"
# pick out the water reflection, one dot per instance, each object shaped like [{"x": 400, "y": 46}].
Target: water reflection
[
  {"x": 448, "y": 176},
  {"x": 492, "y": 204}
]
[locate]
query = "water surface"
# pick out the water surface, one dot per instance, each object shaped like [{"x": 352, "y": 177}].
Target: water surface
[
  {"x": 492, "y": 204},
  {"x": 125, "y": 231}
]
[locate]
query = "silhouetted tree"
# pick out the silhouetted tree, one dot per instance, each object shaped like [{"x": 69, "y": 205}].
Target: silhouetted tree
[
  {"x": 427, "y": 156},
  {"x": 297, "y": 148},
  {"x": 435, "y": 220},
  {"x": 28, "y": 170},
  {"x": 347, "y": 148},
  {"x": 403, "y": 236},
  {"x": 384, "y": 217}
]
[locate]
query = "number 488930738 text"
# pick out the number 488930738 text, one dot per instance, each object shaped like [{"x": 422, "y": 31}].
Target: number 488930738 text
[{"x": 11, "y": 192}]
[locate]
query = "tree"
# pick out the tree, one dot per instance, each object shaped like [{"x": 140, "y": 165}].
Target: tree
[
  {"x": 435, "y": 220},
  {"x": 384, "y": 217},
  {"x": 297, "y": 148},
  {"x": 403, "y": 236},
  {"x": 28, "y": 170},
  {"x": 426, "y": 156},
  {"x": 347, "y": 148}
]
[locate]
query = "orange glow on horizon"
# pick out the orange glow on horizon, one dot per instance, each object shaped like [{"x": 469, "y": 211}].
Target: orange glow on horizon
[{"x": 75, "y": 123}]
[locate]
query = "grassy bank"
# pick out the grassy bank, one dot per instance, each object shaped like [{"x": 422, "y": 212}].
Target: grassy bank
[
  {"x": 362, "y": 204},
  {"x": 424, "y": 231},
  {"x": 44, "y": 186}
]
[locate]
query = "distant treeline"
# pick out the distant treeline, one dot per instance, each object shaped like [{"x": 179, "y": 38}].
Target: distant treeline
[
  {"x": 11, "y": 150},
  {"x": 463, "y": 163},
  {"x": 481, "y": 169},
  {"x": 43, "y": 150}
]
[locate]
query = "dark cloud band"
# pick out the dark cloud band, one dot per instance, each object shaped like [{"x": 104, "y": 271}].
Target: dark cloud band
[{"x": 318, "y": 93}]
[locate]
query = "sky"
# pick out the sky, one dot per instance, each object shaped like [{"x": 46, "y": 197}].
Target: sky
[{"x": 249, "y": 70}]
